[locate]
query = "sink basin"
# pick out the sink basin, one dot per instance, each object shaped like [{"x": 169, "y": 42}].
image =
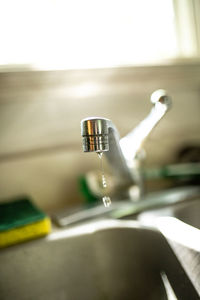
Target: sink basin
[
  {"x": 189, "y": 213},
  {"x": 110, "y": 259}
]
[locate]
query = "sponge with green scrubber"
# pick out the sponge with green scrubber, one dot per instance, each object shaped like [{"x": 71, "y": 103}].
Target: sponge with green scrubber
[{"x": 21, "y": 220}]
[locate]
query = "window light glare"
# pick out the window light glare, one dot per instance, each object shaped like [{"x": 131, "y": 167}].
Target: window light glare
[
  {"x": 62, "y": 34},
  {"x": 179, "y": 232}
]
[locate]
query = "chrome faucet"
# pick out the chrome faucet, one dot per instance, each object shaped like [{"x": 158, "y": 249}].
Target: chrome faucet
[{"x": 100, "y": 135}]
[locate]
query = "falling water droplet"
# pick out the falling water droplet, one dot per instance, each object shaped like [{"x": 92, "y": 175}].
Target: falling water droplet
[
  {"x": 104, "y": 183},
  {"x": 100, "y": 154},
  {"x": 106, "y": 201}
]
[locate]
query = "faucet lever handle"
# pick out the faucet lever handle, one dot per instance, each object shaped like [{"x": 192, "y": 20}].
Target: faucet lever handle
[
  {"x": 133, "y": 141},
  {"x": 160, "y": 96}
]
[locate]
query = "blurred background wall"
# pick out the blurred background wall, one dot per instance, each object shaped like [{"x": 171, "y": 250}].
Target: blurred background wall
[{"x": 41, "y": 105}]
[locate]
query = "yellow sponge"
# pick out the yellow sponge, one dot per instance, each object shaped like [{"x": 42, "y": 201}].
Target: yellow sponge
[{"x": 20, "y": 220}]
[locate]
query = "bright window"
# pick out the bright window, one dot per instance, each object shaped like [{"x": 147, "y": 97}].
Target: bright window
[{"x": 59, "y": 34}]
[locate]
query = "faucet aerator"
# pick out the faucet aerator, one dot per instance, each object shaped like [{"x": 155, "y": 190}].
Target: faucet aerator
[{"x": 95, "y": 134}]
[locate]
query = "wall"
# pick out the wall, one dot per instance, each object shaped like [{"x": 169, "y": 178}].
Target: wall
[{"x": 40, "y": 114}]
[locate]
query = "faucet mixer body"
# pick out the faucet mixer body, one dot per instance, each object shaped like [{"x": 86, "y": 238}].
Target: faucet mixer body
[{"x": 100, "y": 135}]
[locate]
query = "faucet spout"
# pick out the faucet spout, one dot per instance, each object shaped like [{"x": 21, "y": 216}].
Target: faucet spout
[
  {"x": 100, "y": 135},
  {"x": 95, "y": 132}
]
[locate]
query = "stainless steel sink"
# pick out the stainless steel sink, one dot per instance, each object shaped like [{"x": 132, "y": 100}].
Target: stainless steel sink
[
  {"x": 189, "y": 212},
  {"x": 111, "y": 260}
]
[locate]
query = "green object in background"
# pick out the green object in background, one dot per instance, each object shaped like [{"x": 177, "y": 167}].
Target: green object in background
[
  {"x": 181, "y": 172},
  {"x": 176, "y": 171},
  {"x": 86, "y": 191}
]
